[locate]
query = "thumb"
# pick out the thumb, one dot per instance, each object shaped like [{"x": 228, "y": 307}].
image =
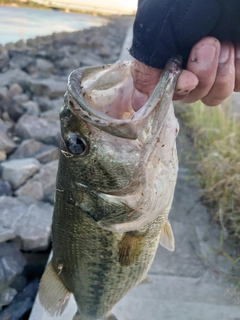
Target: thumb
[{"x": 145, "y": 79}]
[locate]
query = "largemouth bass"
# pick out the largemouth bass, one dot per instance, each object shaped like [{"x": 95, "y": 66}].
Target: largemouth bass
[{"x": 115, "y": 185}]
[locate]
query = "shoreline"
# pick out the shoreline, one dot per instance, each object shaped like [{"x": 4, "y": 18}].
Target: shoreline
[{"x": 77, "y": 11}]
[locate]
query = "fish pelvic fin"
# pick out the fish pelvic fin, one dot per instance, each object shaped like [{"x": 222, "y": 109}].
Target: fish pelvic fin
[
  {"x": 130, "y": 247},
  {"x": 53, "y": 295},
  {"x": 167, "y": 237}
]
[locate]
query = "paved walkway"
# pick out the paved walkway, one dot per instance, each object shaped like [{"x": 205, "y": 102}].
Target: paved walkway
[{"x": 191, "y": 283}]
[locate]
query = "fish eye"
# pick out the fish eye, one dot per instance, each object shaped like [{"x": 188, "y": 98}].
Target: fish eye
[{"x": 76, "y": 144}]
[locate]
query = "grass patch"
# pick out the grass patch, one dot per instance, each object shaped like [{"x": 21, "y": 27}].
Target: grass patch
[{"x": 216, "y": 136}]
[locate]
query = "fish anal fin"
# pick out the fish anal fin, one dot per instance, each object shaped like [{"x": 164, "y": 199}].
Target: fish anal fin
[
  {"x": 130, "y": 247},
  {"x": 53, "y": 295},
  {"x": 145, "y": 280},
  {"x": 167, "y": 237},
  {"x": 108, "y": 316}
]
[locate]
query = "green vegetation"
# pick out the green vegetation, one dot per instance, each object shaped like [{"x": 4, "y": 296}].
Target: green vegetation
[{"x": 216, "y": 136}]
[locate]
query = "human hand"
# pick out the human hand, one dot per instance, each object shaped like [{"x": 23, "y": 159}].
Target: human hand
[{"x": 211, "y": 75}]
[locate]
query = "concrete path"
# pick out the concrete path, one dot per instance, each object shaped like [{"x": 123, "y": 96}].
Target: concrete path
[{"x": 194, "y": 282}]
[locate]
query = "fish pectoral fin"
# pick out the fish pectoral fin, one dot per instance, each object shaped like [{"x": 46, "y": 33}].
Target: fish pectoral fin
[
  {"x": 167, "y": 237},
  {"x": 130, "y": 247},
  {"x": 53, "y": 295}
]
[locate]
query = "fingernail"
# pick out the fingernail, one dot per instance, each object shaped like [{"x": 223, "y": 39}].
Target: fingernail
[
  {"x": 205, "y": 56},
  {"x": 224, "y": 53}
]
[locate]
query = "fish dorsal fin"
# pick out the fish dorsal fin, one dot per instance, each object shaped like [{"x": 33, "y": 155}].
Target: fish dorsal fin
[
  {"x": 167, "y": 237},
  {"x": 53, "y": 295}
]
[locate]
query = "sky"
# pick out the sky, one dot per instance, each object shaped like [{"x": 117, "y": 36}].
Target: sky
[{"x": 122, "y": 5}]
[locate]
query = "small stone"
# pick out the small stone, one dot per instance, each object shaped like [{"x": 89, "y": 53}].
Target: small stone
[
  {"x": 46, "y": 131},
  {"x": 44, "y": 103},
  {"x": 5, "y": 188},
  {"x": 3, "y": 155},
  {"x": 42, "y": 185},
  {"x": 19, "y": 283},
  {"x": 44, "y": 66},
  {"x": 6, "y": 296},
  {"x": 48, "y": 87},
  {"x": 4, "y": 99},
  {"x": 6, "y": 234},
  {"x": 15, "y": 89},
  {"x": 12, "y": 263},
  {"x": 4, "y": 60},
  {"x": 6, "y": 144},
  {"x": 19, "y": 171},
  {"x": 16, "y": 108},
  {"x": 13, "y": 76},
  {"x": 34, "y": 149},
  {"x": 68, "y": 62},
  {"x": 31, "y": 108}
]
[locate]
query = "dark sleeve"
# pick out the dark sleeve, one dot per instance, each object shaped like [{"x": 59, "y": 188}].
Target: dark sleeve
[{"x": 163, "y": 28}]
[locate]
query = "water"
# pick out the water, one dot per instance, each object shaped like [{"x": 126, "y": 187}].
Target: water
[{"x": 22, "y": 23}]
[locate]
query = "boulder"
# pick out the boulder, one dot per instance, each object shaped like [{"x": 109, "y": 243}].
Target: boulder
[
  {"x": 42, "y": 185},
  {"x": 46, "y": 131},
  {"x": 30, "y": 219},
  {"x": 18, "y": 171}
]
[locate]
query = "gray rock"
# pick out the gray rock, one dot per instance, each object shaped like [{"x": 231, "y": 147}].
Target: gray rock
[
  {"x": 34, "y": 149},
  {"x": 68, "y": 62},
  {"x": 5, "y": 188},
  {"x": 15, "y": 89},
  {"x": 42, "y": 185},
  {"x": 21, "y": 61},
  {"x": 52, "y": 88},
  {"x": 89, "y": 59},
  {"x": 6, "y": 144},
  {"x": 43, "y": 102},
  {"x": 6, "y": 234},
  {"x": 10, "y": 46},
  {"x": 16, "y": 107},
  {"x": 4, "y": 99},
  {"x": 31, "y": 108},
  {"x": 30, "y": 219},
  {"x": 19, "y": 171},
  {"x": 17, "y": 310},
  {"x": 13, "y": 76},
  {"x": 31, "y": 127},
  {"x": 12, "y": 263},
  {"x": 44, "y": 66},
  {"x": 6, "y": 296},
  {"x": 4, "y": 60}
]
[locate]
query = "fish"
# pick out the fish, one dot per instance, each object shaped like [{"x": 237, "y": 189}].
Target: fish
[{"x": 114, "y": 189}]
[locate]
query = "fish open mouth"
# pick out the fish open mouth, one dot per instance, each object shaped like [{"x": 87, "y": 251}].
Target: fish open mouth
[{"x": 102, "y": 96}]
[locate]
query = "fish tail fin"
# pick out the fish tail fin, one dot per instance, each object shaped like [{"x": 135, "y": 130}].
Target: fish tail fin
[
  {"x": 53, "y": 295},
  {"x": 167, "y": 237}
]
